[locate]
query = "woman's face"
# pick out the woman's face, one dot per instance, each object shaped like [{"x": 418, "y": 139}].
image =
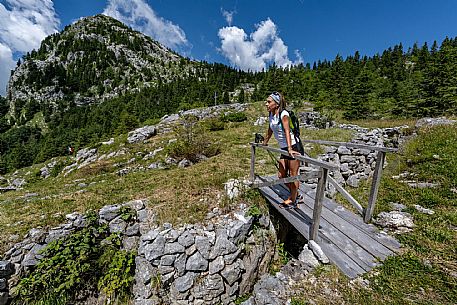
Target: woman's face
[{"x": 271, "y": 104}]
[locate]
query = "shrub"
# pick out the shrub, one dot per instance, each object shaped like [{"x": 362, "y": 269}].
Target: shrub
[
  {"x": 214, "y": 124},
  {"x": 80, "y": 261},
  {"x": 234, "y": 117},
  {"x": 192, "y": 142}
]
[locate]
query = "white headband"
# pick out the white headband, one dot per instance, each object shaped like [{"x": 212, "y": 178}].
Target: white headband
[{"x": 276, "y": 97}]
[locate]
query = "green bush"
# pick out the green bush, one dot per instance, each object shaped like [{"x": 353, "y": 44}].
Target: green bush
[
  {"x": 214, "y": 124},
  {"x": 234, "y": 117},
  {"x": 192, "y": 142},
  {"x": 70, "y": 266}
]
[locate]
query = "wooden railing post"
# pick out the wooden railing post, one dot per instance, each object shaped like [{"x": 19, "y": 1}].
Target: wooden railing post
[
  {"x": 374, "y": 186},
  {"x": 320, "y": 192},
  {"x": 252, "y": 174}
]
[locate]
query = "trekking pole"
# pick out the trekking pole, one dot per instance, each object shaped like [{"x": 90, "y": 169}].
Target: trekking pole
[{"x": 259, "y": 139}]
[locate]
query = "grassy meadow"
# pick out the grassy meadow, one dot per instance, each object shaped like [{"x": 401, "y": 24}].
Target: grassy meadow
[{"x": 425, "y": 272}]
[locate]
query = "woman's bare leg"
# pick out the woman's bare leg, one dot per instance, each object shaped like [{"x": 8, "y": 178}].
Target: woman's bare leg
[{"x": 294, "y": 165}]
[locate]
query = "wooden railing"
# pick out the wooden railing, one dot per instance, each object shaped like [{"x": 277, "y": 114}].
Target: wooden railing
[
  {"x": 321, "y": 184},
  {"x": 324, "y": 178},
  {"x": 380, "y": 159}
]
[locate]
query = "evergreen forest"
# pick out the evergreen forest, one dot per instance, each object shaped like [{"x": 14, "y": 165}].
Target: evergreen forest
[{"x": 420, "y": 81}]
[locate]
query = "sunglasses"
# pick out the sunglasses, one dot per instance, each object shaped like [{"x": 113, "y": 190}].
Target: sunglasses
[{"x": 275, "y": 96}]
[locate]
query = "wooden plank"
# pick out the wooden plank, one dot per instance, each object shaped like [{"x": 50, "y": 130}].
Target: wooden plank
[
  {"x": 343, "y": 261},
  {"x": 370, "y": 238},
  {"x": 362, "y": 239},
  {"x": 351, "y": 218},
  {"x": 363, "y": 249},
  {"x": 374, "y": 186},
  {"x": 323, "y": 164},
  {"x": 346, "y": 195},
  {"x": 355, "y": 145},
  {"x": 252, "y": 174},
  {"x": 318, "y": 200},
  {"x": 302, "y": 224}
]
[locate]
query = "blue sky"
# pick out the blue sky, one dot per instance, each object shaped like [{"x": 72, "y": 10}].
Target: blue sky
[{"x": 244, "y": 34}]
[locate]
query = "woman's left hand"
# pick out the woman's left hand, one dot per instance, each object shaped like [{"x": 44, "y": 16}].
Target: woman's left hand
[{"x": 293, "y": 152}]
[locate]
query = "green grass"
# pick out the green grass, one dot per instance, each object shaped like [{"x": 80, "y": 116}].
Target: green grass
[
  {"x": 175, "y": 195},
  {"x": 423, "y": 273},
  {"x": 425, "y": 270}
]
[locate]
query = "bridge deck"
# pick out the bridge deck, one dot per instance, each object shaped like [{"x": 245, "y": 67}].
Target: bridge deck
[{"x": 352, "y": 245}]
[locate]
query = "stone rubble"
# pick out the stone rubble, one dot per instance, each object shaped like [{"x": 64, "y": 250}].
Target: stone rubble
[
  {"x": 423, "y": 210},
  {"x": 395, "y": 221},
  {"x": 431, "y": 122},
  {"x": 355, "y": 164},
  {"x": 283, "y": 286}
]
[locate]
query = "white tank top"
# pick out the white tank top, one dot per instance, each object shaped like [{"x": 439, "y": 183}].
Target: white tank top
[{"x": 278, "y": 131}]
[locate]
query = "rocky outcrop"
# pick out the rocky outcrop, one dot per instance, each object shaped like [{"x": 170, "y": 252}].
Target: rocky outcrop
[
  {"x": 431, "y": 122},
  {"x": 396, "y": 222},
  {"x": 141, "y": 134}
]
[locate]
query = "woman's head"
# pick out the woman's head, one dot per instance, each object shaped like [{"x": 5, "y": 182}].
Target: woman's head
[{"x": 274, "y": 101}]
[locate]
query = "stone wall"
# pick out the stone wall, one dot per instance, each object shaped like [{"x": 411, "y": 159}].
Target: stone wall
[
  {"x": 210, "y": 263},
  {"x": 355, "y": 164},
  {"x": 6, "y": 270}
]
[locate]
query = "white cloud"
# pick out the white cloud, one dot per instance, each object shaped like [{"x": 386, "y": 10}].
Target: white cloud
[
  {"x": 140, "y": 16},
  {"x": 26, "y": 23},
  {"x": 299, "y": 57},
  {"x": 228, "y": 16},
  {"x": 23, "y": 25},
  {"x": 262, "y": 47},
  {"x": 6, "y": 65}
]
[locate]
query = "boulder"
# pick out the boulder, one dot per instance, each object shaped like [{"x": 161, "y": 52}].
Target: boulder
[{"x": 141, "y": 134}]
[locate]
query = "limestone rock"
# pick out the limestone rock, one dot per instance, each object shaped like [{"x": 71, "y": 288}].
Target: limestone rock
[
  {"x": 155, "y": 249},
  {"x": 307, "y": 257},
  {"x": 222, "y": 247},
  {"x": 109, "y": 212},
  {"x": 203, "y": 246},
  {"x": 231, "y": 273},
  {"x": 184, "y": 163},
  {"x": 185, "y": 282},
  {"x": 395, "y": 220},
  {"x": 313, "y": 246},
  {"x": 186, "y": 239},
  {"x": 117, "y": 225},
  {"x": 6, "y": 269},
  {"x": 216, "y": 265},
  {"x": 196, "y": 262},
  {"x": 424, "y": 210},
  {"x": 141, "y": 134}
]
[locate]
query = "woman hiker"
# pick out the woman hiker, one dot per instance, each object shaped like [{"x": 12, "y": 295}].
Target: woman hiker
[{"x": 279, "y": 126}]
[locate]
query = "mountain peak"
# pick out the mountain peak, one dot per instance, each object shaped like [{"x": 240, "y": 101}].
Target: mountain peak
[{"x": 91, "y": 60}]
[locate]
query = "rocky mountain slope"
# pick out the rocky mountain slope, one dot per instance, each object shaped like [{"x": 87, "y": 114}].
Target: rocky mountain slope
[{"x": 94, "y": 59}]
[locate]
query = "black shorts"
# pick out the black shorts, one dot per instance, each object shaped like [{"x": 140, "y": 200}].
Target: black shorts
[{"x": 285, "y": 157}]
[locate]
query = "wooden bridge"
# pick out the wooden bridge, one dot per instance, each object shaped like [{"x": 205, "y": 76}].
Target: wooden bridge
[{"x": 347, "y": 239}]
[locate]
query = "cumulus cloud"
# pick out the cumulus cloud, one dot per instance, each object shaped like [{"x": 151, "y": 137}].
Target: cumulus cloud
[
  {"x": 140, "y": 16},
  {"x": 23, "y": 25},
  {"x": 256, "y": 51},
  {"x": 228, "y": 16},
  {"x": 6, "y": 65}
]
